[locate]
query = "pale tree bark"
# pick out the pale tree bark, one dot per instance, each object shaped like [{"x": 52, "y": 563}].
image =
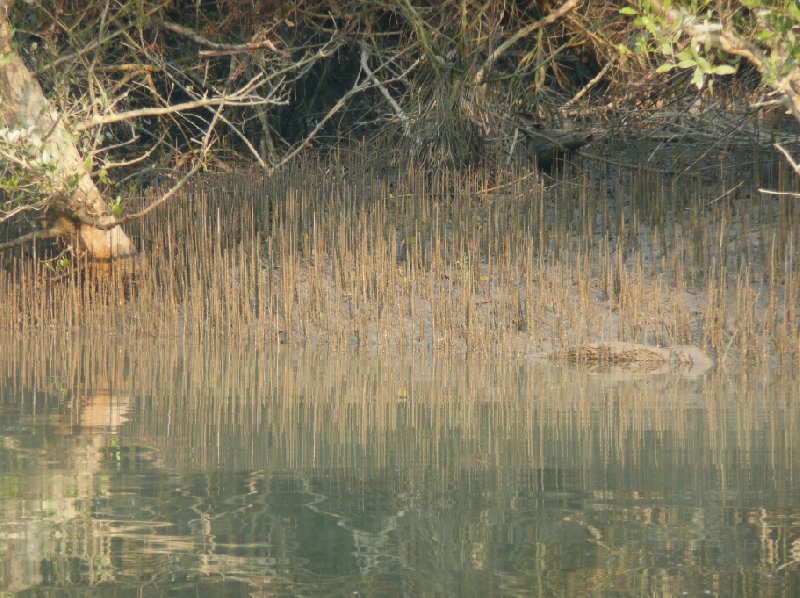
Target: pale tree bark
[{"x": 23, "y": 105}]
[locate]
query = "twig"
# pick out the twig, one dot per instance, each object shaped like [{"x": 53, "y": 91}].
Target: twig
[
  {"x": 236, "y": 99},
  {"x": 357, "y": 88},
  {"x": 384, "y": 92},
  {"x": 717, "y": 141},
  {"x": 218, "y": 49},
  {"x": 138, "y": 159},
  {"x": 524, "y": 32},
  {"x": 788, "y": 156},
  {"x": 782, "y": 193},
  {"x": 173, "y": 190},
  {"x": 232, "y": 127},
  {"x": 99, "y": 42},
  {"x": 728, "y": 192},
  {"x": 588, "y": 86},
  {"x": 513, "y": 146},
  {"x": 767, "y": 104},
  {"x": 34, "y": 236},
  {"x": 21, "y": 210}
]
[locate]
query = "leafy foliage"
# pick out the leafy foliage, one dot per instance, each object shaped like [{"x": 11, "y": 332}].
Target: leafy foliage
[
  {"x": 28, "y": 178},
  {"x": 772, "y": 27}
]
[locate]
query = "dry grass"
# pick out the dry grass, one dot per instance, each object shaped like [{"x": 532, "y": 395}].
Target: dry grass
[{"x": 338, "y": 253}]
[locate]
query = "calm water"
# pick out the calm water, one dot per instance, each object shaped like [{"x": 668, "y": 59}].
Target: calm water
[{"x": 154, "y": 468}]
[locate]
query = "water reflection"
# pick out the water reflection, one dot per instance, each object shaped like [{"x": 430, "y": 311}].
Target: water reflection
[{"x": 130, "y": 467}]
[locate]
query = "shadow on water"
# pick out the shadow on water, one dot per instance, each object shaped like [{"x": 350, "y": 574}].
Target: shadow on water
[{"x": 134, "y": 469}]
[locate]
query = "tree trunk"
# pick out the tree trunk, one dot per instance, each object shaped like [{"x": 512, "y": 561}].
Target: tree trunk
[{"x": 24, "y": 106}]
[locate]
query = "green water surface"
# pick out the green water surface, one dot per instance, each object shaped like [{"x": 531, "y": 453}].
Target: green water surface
[{"x": 155, "y": 468}]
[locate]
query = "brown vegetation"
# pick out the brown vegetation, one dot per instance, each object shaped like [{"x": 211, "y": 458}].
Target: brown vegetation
[
  {"x": 411, "y": 217},
  {"x": 134, "y": 92},
  {"x": 341, "y": 253}
]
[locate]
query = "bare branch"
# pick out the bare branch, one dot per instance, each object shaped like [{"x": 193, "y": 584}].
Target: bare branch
[
  {"x": 37, "y": 207},
  {"x": 230, "y": 125},
  {"x": 34, "y": 236},
  {"x": 524, "y": 32},
  {"x": 99, "y": 42},
  {"x": 588, "y": 86},
  {"x": 357, "y": 88},
  {"x": 218, "y": 49},
  {"x": 788, "y": 156},
  {"x": 137, "y": 159},
  {"x": 236, "y": 99},
  {"x": 384, "y": 92},
  {"x": 206, "y": 144},
  {"x": 781, "y": 193}
]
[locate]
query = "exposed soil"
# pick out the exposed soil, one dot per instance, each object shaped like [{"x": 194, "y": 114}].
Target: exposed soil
[{"x": 668, "y": 262}]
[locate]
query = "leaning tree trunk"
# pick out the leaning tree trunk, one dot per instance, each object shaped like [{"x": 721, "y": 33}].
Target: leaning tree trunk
[{"x": 78, "y": 212}]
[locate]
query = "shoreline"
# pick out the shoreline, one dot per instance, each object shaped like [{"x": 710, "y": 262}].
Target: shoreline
[{"x": 490, "y": 261}]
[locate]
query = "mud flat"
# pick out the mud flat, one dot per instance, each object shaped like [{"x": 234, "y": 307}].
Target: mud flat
[{"x": 342, "y": 255}]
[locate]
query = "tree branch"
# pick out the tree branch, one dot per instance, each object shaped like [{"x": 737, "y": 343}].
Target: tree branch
[
  {"x": 99, "y": 42},
  {"x": 237, "y": 99},
  {"x": 206, "y": 144},
  {"x": 788, "y": 156},
  {"x": 34, "y": 236},
  {"x": 357, "y": 88},
  {"x": 524, "y": 32},
  {"x": 218, "y": 49},
  {"x": 382, "y": 88},
  {"x": 36, "y": 207}
]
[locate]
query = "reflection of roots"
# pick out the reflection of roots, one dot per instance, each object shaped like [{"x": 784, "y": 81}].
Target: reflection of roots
[{"x": 103, "y": 410}]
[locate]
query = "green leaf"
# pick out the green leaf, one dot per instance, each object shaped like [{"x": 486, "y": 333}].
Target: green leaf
[
  {"x": 699, "y": 78},
  {"x": 704, "y": 64},
  {"x": 724, "y": 69},
  {"x": 686, "y": 64},
  {"x": 765, "y": 36},
  {"x": 665, "y": 68},
  {"x": 628, "y": 10}
]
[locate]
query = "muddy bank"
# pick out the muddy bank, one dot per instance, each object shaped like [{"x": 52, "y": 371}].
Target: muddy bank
[{"x": 342, "y": 255}]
